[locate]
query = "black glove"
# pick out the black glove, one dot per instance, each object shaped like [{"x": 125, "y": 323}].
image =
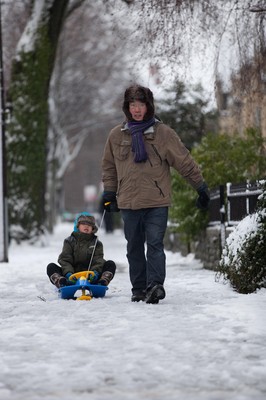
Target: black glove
[
  {"x": 109, "y": 202},
  {"x": 204, "y": 198}
]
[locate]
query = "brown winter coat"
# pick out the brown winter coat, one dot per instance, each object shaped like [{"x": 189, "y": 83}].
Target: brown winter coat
[
  {"x": 77, "y": 251},
  {"x": 148, "y": 184}
]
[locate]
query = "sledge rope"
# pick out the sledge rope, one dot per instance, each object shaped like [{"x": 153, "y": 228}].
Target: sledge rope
[{"x": 94, "y": 247}]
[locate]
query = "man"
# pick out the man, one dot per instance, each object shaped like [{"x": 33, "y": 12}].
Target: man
[{"x": 136, "y": 175}]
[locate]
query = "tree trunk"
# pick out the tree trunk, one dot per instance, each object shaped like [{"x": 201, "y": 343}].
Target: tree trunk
[{"x": 27, "y": 132}]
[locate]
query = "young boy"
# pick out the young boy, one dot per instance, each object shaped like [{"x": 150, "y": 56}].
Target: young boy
[{"x": 82, "y": 251}]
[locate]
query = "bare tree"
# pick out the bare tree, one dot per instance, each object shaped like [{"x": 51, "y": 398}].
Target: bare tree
[
  {"x": 168, "y": 34},
  {"x": 173, "y": 32},
  {"x": 27, "y": 132},
  {"x": 33, "y": 64},
  {"x": 85, "y": 89}
]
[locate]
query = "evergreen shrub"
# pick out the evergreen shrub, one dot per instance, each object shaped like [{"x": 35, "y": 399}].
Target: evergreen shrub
[
  {"x": 27, "y": 140},
  {"x": 188, "y": 219},
  {"x": 243, "y": 261},
  {"x": 222, "y": 158}
]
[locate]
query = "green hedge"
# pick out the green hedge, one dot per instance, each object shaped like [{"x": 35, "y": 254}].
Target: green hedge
[
  {"x": 222, "y": 159},
  {"x": 27, "y": 140},
  {"x": 243, "y": 261}
]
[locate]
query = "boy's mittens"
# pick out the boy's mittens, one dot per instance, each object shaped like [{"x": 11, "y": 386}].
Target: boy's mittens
[
  {"x": 72, "y": 281},
  {"x": 94, "y": 277}
]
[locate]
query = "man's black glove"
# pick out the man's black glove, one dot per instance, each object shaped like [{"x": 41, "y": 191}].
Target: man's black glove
[
  {"x": 109, "y": 202},
  {"x": 204, "y": 198}
]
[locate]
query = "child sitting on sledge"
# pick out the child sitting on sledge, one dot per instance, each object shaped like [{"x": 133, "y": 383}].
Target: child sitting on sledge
[{"x": 82, "y": 251}]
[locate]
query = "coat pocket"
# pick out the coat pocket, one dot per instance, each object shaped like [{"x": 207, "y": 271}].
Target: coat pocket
[{"x": 122, "y": 150}]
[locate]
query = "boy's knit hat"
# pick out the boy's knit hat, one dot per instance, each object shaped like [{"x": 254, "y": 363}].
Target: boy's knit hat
[
  {"x": 139, "y": 93},
  {"x": 85, "y": 218}
]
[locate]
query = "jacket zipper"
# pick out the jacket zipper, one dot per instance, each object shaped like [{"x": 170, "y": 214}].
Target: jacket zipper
[
  {"x": 118, "y": 188},
  {"x": 158, "y": 187},
  {"x": 157, "y": 153},
  {"x": 150, "y": 162}
]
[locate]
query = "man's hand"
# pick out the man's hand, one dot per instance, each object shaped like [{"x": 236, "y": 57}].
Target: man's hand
[
  {"x": 204, "y": 198},
  {"x": 109, "y": 202}
]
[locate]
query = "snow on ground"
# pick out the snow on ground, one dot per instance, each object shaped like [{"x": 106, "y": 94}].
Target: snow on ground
[{"x": 204, "y": 341}]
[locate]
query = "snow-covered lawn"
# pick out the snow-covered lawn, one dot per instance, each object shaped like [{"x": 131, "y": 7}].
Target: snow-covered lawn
[{"x": 203, "y": 342}]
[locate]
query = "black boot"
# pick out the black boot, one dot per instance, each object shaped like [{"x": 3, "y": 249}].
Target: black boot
[
  {"x": 106, "y": 278},
  {"x": 58, "y": 280},
  {"x": 139, "y": 295},
  {"x": 155, "y": 294}
]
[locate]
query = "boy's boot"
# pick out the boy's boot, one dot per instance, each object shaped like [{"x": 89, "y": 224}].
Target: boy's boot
[
  {"x": 106, "y": 278},
  {"x": 58, "y": 280}
]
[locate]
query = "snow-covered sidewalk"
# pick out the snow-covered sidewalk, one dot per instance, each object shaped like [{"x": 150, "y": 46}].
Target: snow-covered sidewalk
[{"x": 203, "y": 342}]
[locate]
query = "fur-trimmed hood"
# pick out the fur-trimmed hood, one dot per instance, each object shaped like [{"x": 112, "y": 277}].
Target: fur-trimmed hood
[{"x": 139, "y": 93}]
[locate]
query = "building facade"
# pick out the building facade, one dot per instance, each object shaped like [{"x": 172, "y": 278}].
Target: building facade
[{"x": 244, "y": 105}]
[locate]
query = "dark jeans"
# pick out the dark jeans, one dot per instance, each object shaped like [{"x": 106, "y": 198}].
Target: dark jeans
[
  {"x": 140, "y": 227},
  {"x": 52, "y": 268}
]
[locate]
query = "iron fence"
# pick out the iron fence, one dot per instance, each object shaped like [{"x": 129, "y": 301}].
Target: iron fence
[{"x": 230, "y": 203}]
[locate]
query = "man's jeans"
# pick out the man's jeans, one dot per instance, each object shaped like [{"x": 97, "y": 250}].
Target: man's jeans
[{"x": 140, "y": 226}]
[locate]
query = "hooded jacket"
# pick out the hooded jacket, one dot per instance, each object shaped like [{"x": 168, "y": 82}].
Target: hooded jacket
[
  {"x": 78, "y": 249},
  {"x": 140, "y": 93},
  {"x": 146, "y": 184}
]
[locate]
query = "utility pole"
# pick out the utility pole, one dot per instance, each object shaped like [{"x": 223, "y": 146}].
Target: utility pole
[{"x": 3, "y": 198}]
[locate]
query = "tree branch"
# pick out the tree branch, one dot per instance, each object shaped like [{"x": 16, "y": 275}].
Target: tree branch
[
  {"x": 257, "y": 8},
  {"x": 75, "y": 4}
]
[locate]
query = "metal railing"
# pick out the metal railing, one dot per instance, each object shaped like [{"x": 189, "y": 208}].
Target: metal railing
[
  {"x": 241, "y": 200},
  {"x": 228, "y": 207}
]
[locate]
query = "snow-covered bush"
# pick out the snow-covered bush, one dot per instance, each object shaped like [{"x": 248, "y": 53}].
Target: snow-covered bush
[{"x": 243, "y": 261}]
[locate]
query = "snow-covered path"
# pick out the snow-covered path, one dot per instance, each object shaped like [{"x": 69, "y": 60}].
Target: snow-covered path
[{"x": 203, "y": 342}]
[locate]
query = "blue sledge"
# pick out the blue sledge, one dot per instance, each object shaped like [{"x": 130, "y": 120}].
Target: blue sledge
[{"x": 82, "y": 283}]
